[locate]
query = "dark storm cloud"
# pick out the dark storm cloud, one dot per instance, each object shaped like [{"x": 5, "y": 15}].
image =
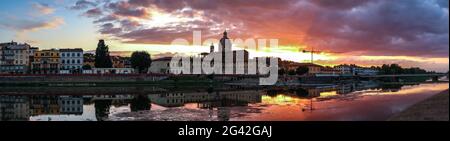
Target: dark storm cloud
[
  {"x": 412, "y": 27},
  {"x": 375, "y": 27}
]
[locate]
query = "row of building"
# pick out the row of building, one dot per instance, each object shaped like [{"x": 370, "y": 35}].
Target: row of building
[
  {"x": 319, "y": 70},
  {"x": 16, "y": 58},
  {"x": 163, "y": 65},
  {"x": 22, "y": 107}
]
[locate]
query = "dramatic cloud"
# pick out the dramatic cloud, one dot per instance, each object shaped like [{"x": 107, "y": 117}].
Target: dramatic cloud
[
  {"x": 125, "y": 9},
  {"x": 354, "y": 27}
]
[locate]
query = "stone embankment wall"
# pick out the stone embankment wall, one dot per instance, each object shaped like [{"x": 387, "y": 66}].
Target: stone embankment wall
[{"x": 79, "y": 78}]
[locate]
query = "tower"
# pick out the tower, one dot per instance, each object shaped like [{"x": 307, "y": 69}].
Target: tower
[
  {"x": 211, "y": 48},
  {"x": 225, "y": 44}
]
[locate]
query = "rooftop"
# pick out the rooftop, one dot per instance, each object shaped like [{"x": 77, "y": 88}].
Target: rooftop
[
  {"x": 71, "y": 50},
  {"x": 163, "y": 59}
]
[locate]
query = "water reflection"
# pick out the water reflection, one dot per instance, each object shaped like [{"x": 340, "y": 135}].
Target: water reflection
[{"x": 275, "y": 103}]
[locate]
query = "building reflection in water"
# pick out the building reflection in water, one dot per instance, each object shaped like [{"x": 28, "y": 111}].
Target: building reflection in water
[
  {"x": 217, "y": 102},
  {"x": 22, "y": 107},
  {"x": 140, "y": 103},
  {"x": 14, "y": 108}
]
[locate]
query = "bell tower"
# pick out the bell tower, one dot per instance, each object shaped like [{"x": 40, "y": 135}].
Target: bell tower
[
  {"x": 211, "y": 48},
  {"x": 225, "y": 44}
]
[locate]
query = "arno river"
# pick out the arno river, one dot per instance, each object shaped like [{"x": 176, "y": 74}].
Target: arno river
[{"x": 345, "y": 102}]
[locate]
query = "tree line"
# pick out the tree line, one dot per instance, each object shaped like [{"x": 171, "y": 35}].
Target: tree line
[
  {"x": 397, "y": 69},
  {"x": 140, "y": 60},
  {"x": 383, "y": 70}
]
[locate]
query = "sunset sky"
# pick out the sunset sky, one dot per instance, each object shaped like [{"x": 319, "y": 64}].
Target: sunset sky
[{"x": 363, "y": 32}]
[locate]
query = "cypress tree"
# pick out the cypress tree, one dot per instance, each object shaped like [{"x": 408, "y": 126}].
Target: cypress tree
[{"x": 102, "y": 58}]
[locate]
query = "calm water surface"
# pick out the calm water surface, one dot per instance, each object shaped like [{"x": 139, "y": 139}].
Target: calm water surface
[{"x": 367, "y": 101}]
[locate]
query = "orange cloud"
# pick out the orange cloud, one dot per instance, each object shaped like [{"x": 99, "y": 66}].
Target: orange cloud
[{"x": 54, "y": 23}]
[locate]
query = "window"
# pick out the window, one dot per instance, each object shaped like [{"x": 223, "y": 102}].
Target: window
[
  {"x": 63, "y": 54},
  {"x": 73, "y": 54},
  {"x": 68, "y": 54},
  {"x": 63, "y": 61},
  {"x": 79, "y": 54},
  {"x": 78, "y": 61},
  {"x": 73, "y": 61}
]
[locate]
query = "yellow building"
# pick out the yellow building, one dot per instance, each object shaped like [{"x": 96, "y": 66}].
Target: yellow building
[{"x": 46, "y": 62}]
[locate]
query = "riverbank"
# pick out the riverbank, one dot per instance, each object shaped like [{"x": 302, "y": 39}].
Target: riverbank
[{"x": 431, "y": 109}]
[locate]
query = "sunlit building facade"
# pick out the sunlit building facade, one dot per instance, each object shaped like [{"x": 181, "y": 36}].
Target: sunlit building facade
[{"x": 46, "y": 62}]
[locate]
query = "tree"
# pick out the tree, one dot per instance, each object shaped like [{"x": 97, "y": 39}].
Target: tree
[
  {"x": 385, "y": 69},
  {"x": 140, "y": 103},
  {"x": 396, "y": 69},
  {"x": 302, "y": 70},
  {"x": 88, "y": 56},
  {"x": 140, "y": 60},
  {"x": 102, "y": 58},
  {"x": 291, "y": 72},
  {"x": 87, "y": 67},
  {"x": 281, "y": 72}
]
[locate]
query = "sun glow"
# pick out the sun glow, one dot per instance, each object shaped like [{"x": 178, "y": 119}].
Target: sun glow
[
  {"x": 163, "y": 19},
  {"x": 285, "y": 53},
  {"x": 280, "y": 100}
]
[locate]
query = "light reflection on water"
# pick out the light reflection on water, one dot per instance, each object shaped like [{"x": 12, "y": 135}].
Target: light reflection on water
[{"x": 344, "y": 102}]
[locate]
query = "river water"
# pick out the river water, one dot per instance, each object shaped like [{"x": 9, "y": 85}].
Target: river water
[{"x": 349, "y": 102}]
